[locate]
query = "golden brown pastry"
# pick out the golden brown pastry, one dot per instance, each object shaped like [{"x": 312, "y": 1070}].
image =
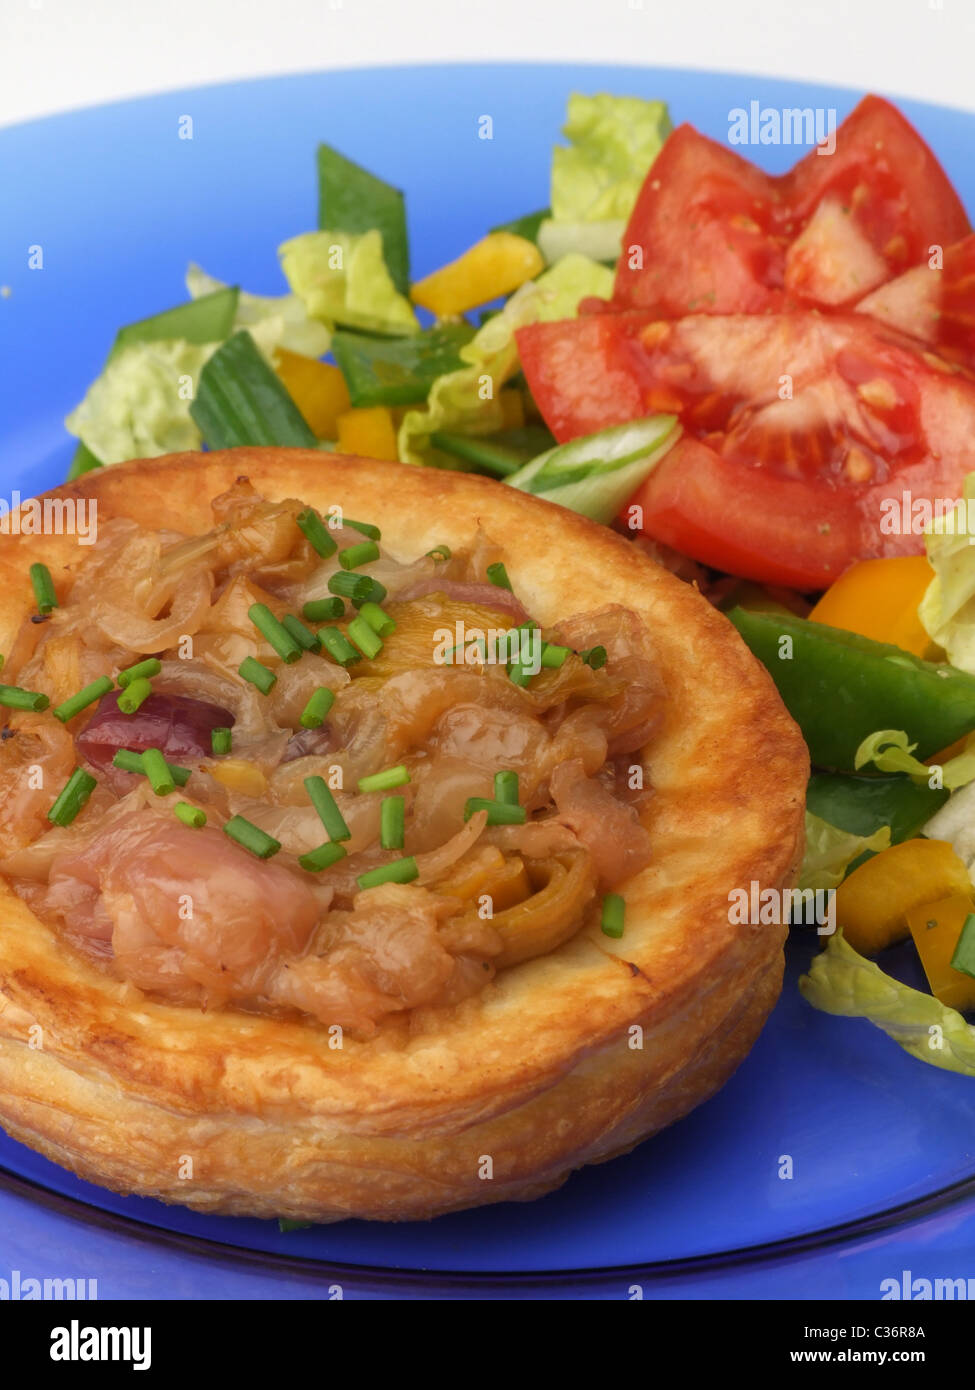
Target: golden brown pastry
[{"x": 293, "y": 1073}]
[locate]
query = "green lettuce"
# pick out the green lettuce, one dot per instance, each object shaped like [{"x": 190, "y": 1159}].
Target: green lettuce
[
  {"x": 830, "y": 852},
  {"x": 947, "y": 610},
  {"x": 341, "y": 277},
  {"x": 272, "y": 320},
  {"x": 890, "y": 751},
  {"x": 841, "y": 981},
  {"x": 466, "y": 401}
]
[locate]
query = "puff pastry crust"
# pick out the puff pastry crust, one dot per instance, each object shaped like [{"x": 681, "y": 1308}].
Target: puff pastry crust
[{"x": 565, "y": 1060}]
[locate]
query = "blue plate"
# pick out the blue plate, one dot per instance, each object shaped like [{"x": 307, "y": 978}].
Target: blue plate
[{"x": 119, "y": 205}]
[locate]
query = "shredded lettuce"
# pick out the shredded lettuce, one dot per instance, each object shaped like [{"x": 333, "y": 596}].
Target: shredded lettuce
[
  {"x": 466, "y": 401},
  {"x": 272, "y": 320},
  {"x": 830, "y": 852},
  {"x": 947, "y": 610},
  {"x": 841, "y": 981},
  {"x": 341, "y": 277},
  {"x": 889, "y": 751}
]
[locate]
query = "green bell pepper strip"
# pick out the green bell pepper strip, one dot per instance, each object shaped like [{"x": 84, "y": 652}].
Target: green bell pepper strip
[
  {"x": 863, "y": 805},
  {"x": 350, "y": 199},
  {"x": 398, "y": 371},
  {"x": 839, "y": 687},
  {"x": 498, "y": 454}
]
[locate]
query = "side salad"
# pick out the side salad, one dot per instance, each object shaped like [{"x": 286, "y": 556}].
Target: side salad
[{"x": 767, "y": 382}]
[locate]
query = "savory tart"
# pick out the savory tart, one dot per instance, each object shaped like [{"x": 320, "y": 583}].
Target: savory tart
[{"x": 367, "y": 836}]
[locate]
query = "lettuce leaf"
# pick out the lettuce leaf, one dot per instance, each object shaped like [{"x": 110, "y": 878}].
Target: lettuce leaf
[
  {"x": 947, "y": 610},
  {"x": 841, "y": 981},
  {"x": 341, "y": 277},
  {"x": 272, "y": 320},
  {"x": 955, "y": 822},
  {"x": 830, "y": 851},
  {"x": 890, "y": 751},
  {"x": 466, "y": 401}
]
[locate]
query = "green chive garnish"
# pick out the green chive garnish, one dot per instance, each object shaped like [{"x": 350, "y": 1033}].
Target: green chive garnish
[
  {"x": 257, "y": 673},
  {"x": 74, "y": 794},
  {"x": 221, "y": 741},
  {"x": 439, "y": 552},
  {"x": 614, "y": 909},
  {"x": 316, "y": 533},
  {"x": 142, "y": 670},
  {"x": 275, "y": 633},
  {"x": 339, "y": 648},
  {"x": 320, "y": 610},
  {"x": 363, "y": 554},
  {"x": 399, "y": 871},
  {"x": 251, "y": 837},
  {"x": 392, "y": 816},
  {"x": 358, "y": 588},
  {"x": 132, "y": 762},
  {"x": 328, "y": 812},
  {"x": 379, "y": 621},
  {"x": 594, "y": 657},
  {"x": 385, "y": 781},
  {"x": 308, "y": 641},
  {"x": 193, "y": 816},
  {"x": 40, "y": 578},
  {"x": 365, "y": 528},
  {"x": 322, "y": 858},
  {"x": 76, "y": 703},
  {"x": 156, "y": 768},
  {"x": 498, "y": 576},
  {"x": 135, "y": 694},
  {"x": 553, "y": 656},
  {"x": 365, "y": 637},
  {"x": 498, "y": 812},
  {"x": 519, "y": 674},
  {"x": 314, "y": 714},
  {"x": 14, "y": 698},
  {"x": 506, "y": 787}
]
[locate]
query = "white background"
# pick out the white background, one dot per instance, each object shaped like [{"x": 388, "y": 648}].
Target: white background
[{"x": 57, "y": 55}]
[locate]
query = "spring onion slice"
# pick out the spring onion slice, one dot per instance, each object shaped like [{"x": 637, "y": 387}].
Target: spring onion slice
[
  {"x": 399, "y": 871},
  {"x": 314, "y": 714},
  {"x": 156, "y": 768},
  {"x": 365, "y": 637},
  {"x": 498, "y": 812},
  {"x": 498, "y": 576},
  {"x": 251, "y": 837},
  {"x": 43, "y": 585},
  {"x": 221, "y": 741},
  {"x": 308, "y": 641},
  {"x": 82, "y": 699},
  {"x": 13, "y": 697},
  {"x": 322, "y": 858},
  {"x": 240, "y": 400},
  {"x": 193, "y": 816},
  {"x": 365, "y": 528},
  {"x": 141, "y": 670},
  {"x": 327, "y": 807},
  {"x": 320, "y": 610},
  {"x": 338, "y": 646},
  {"x": 596, "y": 657},
  {"x": 72, "y": 798},
  {"x": 613, "y": 913},
  {"x": 356, "y": 555},
  {"x": 275, "y": 633},
  {"x": 386, "y": 780},
  {"x": 257, "y": 674},
  {"x": 350, "y": 199},
  {"x": 316, "y": 532},
  {"x": 130, "y": 761},
  {"x": 392, "y": 819},
  {"x": 506, "y": 787},
  {"x": 381, "y": 623},
  {"x": 134, "y": 694}
]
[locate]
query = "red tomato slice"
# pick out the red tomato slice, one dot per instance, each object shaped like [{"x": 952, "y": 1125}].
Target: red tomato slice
[
  {"x": 716, "y": 235},
  {"x": 802, "y": 426},
  {"x": 936, "y": 305}
]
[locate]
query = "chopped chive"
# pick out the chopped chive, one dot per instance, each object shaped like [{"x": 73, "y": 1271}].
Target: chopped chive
[
  {"x": 350, "y": 586},
  {"x": 14, "y": 698},
  {"x": 142, "y": 670},
  {"x": 498, "y": 576},
  {"x": 519, "y": 674},
  {"x": 251, "y": 837},
  {"x": 399, "y": 871},
  {"x": 309, "y": 641},
  {"x": 129, "y": 761},
  {"x": 156, "y": 768},
  {"x": 319, "y": 610},
  {"x": 506, "y": 787},
  {"x": 322, "y": 858},
  {"x": 257, "y": 673},
  {"x": 327, "y": 807},
  {"x": 385, "y": 781},
  {"x": 365, "y": 528},
  {"x": 363, "y": 554},
  {"x": 40, "y": 578},
  {"x": 379, "y": 621},
  {"x": 339, "y": 648},
  {"x": 594, "y": 657},
  {"x": 498, "y": 812},
  {"x": 72, "y": 798},
  {"x": 963, "y": 958},
  {"x": 275, "y": 633},
  {"x": 439, "y": 552},
  {"x": 221, "y": 741},
  {"x": 316, "y": 533},
  {"x": 552, "y": 655},
  {"x": 193, "y": 816},
  {"x": 76, "y": 703},
  {"x": 392, "y": 815},
  {"x": 614, "y": 909},
  {"x": 313, "y": 715},
  {"x": 135, "y": 694},
  {"x": 365, "y": 637}
]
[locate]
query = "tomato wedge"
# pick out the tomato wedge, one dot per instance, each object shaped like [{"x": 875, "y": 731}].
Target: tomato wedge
[
  {"x": 933, "y": 303},
  {"x": 801, "y": 427},
  {"x": 713, "y": 234}
]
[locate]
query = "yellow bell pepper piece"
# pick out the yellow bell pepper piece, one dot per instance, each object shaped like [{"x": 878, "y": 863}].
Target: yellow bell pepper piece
[
  {"x": 873, "y": 903},
  {"x": 317, "y": 389},
  {"x": 494, "y": 266},
  {"x": 879, "y": 599},
  {"x": 936, "y": 928},
  {"x": 369, "y": 431},
  {"x": 239, "y": 775}
]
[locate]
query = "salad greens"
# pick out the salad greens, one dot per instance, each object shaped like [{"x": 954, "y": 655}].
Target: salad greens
[
  {"x": 342, "y": 277},
  {"x": 830, "y": 851},
  {"x": 947, "y": 610}
]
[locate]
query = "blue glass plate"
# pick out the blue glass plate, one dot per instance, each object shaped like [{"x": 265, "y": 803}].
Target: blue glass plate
[{"x": 119, "y": 205}]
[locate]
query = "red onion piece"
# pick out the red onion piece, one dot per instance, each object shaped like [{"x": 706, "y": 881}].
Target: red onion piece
[{"x": 176, "y": 724}]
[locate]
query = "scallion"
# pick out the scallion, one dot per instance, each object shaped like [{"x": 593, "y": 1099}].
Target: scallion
[
  {"x": 392, "y": 816},
  {"x": 365, "y": 638},
  {"x": 399, "y": 871},
  {"x": 595, "y": 657},
  {"x": 379, "y": 621},
  {"x": 355, "y": 555},
  {"x": 338, "y": 646},
  {"x": 85, "y": 697},
  {"x": 156, "y": 768},
  {"x": 506, "y": 787},
  {"x": 498, "y": 576},
  {"x": 257, "y": 674},
  {"x": 221, "y": 741},
  {"x": 14, "y": 698},
  {"x": 613, "y": 913},
  {"x": 321, "y": 610},
  {"x": 135, "y": 694},
  {"x": 385, "y": 781},
  {"x": 327, "y": 807},
  {"x": 322, "y": 858},
  {"x": 274, "y": 633},
  {"x": 308, "y": 641},
  {"x": 366, "y": 528},
  {"x": 553, "y": 656},
  {"x": 142, "y": 670},
  {"x": 498, "y": 812},
  {"x": 193, "y": 816},
  {"x": 130, "y": 761},
  {"x": 72, "y": 798},
  {"x": 314, "y": 714},
  {"x": 251, "y": 837},
  {"x": 316, "y": 532},
  {"x": 43, "y": 585}
]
